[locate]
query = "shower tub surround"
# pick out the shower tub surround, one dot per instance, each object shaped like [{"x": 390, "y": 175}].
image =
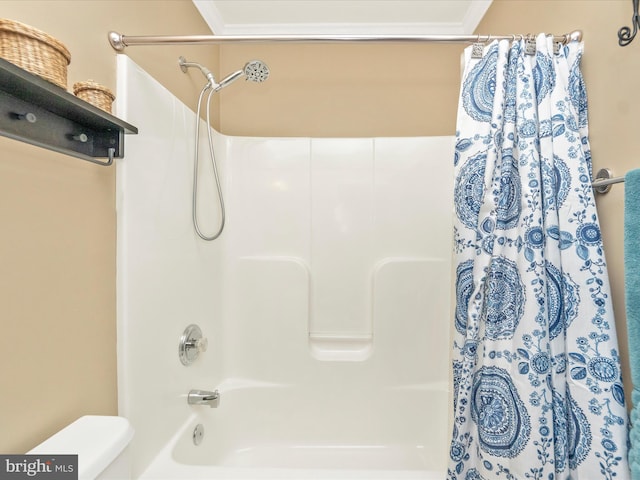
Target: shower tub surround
[{"x": 326, "y": 300}]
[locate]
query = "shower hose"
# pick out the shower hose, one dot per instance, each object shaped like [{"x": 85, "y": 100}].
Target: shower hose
[{"x": 207, "y": 88}]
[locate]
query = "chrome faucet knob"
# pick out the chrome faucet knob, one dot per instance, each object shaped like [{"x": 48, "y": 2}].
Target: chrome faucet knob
[
  {"x": 202, "y": 344},
  {"x": 192, "y": 343}
]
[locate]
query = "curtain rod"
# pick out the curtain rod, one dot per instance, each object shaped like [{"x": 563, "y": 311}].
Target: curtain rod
[{"x": 119, "y": 41}]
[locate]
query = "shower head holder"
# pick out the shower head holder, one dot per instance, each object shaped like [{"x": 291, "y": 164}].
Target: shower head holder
[{"x": 255, "y": 71}]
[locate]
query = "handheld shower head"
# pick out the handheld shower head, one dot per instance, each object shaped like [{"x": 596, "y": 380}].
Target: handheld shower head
[
  {"x": 228, "y": 80},
  {"x": 256, "y": 71}
]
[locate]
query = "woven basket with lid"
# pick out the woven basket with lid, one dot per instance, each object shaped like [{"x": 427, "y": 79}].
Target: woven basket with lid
[
  {"x": 34, "y": 51},
  {"x": 94, "y": 93}
]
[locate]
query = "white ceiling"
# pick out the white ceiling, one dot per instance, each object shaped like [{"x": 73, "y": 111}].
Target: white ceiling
[{"x": 358, "y": 17}]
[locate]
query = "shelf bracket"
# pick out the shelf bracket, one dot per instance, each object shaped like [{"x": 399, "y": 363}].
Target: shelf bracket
[{"x": 38, "y": 112}]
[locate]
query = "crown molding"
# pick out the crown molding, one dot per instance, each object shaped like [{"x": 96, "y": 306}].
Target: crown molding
[
  {"x": 211, "y": 15},
  {"x": 343, "y": 29},
  {"x": 475, "y": 13},
  {"x": 466, "y": 26}
]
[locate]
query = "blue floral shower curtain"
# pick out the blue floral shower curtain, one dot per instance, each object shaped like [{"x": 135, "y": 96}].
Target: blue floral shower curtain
[{"x": 537, "y": 386}]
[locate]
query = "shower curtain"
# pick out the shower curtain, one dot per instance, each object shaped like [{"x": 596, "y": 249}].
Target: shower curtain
[{"x": 537, "y": 385}]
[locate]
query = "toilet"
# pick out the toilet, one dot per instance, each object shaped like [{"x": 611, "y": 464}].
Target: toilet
[{"x": 101, "y": 443}]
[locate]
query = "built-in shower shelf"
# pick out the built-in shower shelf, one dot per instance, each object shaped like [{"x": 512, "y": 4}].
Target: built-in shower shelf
[
  {"x": 38, "y": 112},
  {"x": 341, "y": 348}
]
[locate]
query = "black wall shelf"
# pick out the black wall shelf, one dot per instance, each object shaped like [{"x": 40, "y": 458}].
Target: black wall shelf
[{"x": 38, "y": 112}]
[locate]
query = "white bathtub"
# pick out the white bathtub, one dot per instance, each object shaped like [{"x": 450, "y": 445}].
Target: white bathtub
[
  {"x": 310, "y": 433},
  {"x": 326, "y": 301}
]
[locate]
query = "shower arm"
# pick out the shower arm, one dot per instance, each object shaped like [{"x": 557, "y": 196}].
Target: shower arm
[
  {"x": 184, "y": 66},
  {"x": 226, "y": 81}
]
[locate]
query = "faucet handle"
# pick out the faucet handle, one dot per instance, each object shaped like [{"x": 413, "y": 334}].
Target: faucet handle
[
  {"x": 192, "y": 343},
  {"x": 201, "y": 344}
]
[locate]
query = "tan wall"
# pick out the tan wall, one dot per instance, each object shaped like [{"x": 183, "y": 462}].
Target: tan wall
[
  {"x": 396, "y": 90},
  {"x": 57, "y": 300},
  {"x": 57, "y": 247},
  {"x": 344, "y": 90}
]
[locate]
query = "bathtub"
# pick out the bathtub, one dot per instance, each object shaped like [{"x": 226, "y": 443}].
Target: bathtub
[
  {"x": 283, "y": 431},
  {"x": 326, "y": 302}
]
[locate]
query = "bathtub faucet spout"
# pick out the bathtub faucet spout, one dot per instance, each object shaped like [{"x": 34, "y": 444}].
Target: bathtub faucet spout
[{"x": 203, "y": 397}]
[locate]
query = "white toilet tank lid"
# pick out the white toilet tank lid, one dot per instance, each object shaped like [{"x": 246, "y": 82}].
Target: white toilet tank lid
[{"x": 96, "y": 439}]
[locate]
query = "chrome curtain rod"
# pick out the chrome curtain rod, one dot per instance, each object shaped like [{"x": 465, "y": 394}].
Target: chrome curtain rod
[{"x": 119, "y": 41}]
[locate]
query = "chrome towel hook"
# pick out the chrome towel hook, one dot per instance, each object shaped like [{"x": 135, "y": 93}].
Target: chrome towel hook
[{"x": 625, "y": 35}]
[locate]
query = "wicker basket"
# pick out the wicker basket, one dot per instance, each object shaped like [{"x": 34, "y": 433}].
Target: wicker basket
[
  {"x": 34, "y": 51},
  {"x": 94, "y": 93}
]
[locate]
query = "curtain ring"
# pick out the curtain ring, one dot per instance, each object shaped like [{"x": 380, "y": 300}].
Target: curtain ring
[{"x": 530, "y": 45}]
